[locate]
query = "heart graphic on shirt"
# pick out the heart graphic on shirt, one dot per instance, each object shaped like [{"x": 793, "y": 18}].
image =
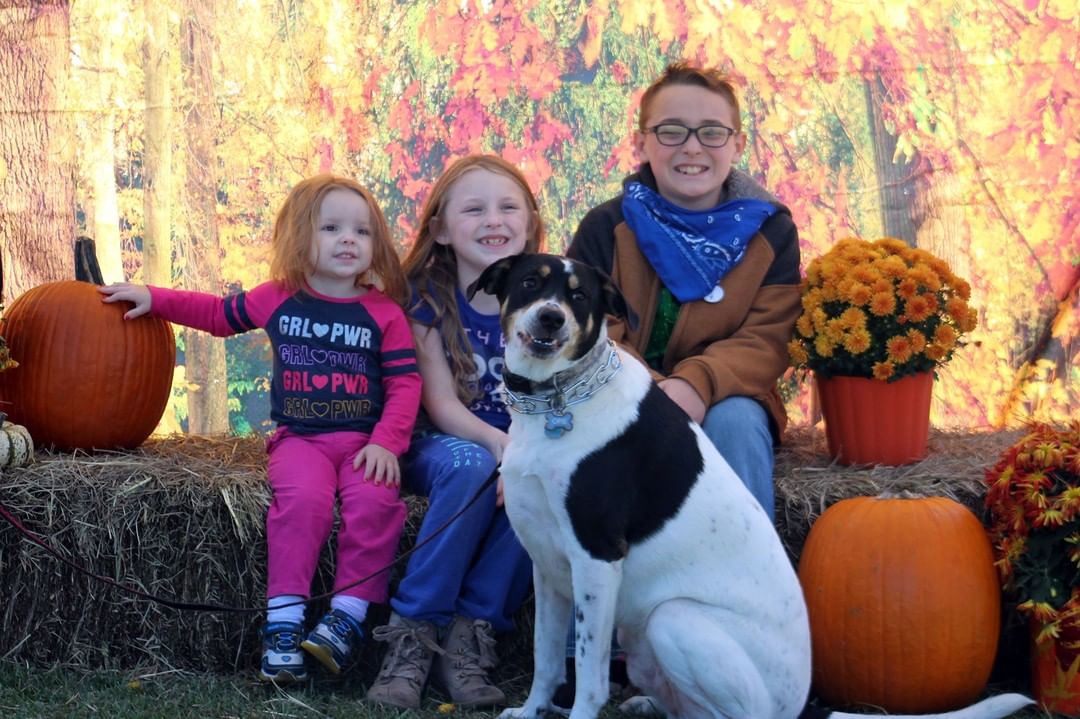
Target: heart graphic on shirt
[
  {"x": 320, "y": 329},
  {"x": 319, "y": 380},
  {"x": 320, "y": 409},
  {"x": 318, "y": 356}
]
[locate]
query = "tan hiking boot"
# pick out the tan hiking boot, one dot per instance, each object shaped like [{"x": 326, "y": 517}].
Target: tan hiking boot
[
  {"x": 405, "y": 668},
  {"x": 462, "y": 667}
]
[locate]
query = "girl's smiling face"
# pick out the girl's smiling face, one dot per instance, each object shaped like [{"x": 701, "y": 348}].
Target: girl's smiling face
[
  {"x": 689, "y": 175},
  {"x": 485, "y": 217}
]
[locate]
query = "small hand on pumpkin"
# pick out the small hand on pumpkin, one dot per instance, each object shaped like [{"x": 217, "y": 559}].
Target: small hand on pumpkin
[
  {"x": 382, "y": 465},
  {"x": 138, "y": 295}
]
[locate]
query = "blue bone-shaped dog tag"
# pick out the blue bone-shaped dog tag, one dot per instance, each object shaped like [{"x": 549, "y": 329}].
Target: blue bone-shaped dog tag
[{"x": 557, "y": 425}]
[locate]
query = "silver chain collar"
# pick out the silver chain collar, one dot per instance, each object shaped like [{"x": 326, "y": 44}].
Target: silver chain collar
[{"x": 561, "y": 398}]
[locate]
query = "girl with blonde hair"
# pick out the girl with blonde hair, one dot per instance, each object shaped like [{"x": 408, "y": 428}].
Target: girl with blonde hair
[{"x": 468, "y": 582}]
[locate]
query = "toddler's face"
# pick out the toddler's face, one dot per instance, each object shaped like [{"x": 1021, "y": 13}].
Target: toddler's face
[
  {"x": 689, "y": 175},
  {"x": 342, "y": 243}
]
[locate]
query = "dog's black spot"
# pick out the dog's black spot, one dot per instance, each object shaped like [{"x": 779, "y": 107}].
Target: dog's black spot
[
  {"x": 589, "y": 597},
  {"x": 627, "y": 490},
  {"x": 579, "y": 615}
]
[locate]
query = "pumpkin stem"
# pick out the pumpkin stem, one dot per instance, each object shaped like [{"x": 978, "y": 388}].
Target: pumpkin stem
[{"x": 86, "y": 263}]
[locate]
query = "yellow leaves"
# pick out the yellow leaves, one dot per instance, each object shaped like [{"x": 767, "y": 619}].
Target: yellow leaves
[
  {"x": 895, "y": 16},
  {"x": 747, "y": 18},
  {"x": 634, "y": 14},
  {"x": 798, "y": 44},
  {"x": 1066, "y": 323},
  {"x": 1044, "y": 226}
]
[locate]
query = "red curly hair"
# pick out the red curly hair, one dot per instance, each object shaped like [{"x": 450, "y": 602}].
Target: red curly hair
[{"x": 294, "y": 230}]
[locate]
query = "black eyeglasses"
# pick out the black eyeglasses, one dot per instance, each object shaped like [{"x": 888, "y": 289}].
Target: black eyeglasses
[{"x": 673, "y": 134}]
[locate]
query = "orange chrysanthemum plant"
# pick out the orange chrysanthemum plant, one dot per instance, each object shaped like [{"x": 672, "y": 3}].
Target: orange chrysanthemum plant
[
  {"x": 879, "y": 309},
  {"x": 1034, "y": 500}
]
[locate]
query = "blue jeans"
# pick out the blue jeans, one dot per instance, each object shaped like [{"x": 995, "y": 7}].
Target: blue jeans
[
  {"x": 475, "y": 568},
  {"x": 739, "y": 429}
]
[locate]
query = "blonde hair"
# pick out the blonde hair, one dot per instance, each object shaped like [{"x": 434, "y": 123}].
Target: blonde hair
[
  {"x": 683, "y": 73},
  {"x": 294, "y": 230},
  {"x": 431, "y": 268}
]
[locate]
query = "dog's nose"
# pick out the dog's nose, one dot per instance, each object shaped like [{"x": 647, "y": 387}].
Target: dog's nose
[{"x": 551, "y": 318}]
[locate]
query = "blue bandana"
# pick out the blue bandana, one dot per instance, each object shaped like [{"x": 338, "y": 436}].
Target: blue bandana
[{"x": 691, "y": 250}]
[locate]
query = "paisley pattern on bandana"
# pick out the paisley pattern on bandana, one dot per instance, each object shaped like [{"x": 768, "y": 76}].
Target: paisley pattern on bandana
[{"x": 692, "y": 251}]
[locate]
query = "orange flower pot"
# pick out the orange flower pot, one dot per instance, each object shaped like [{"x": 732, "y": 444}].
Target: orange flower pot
[
  {"x": 1055, "y": 671},
  {"x": 868, "y": 421}
]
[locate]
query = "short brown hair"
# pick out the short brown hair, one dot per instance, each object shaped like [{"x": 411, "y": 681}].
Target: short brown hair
[
  {"x": 683, "y": 73},
  {"x": 294, "y": 229}
]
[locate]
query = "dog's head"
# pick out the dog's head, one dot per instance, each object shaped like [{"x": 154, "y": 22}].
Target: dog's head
[{"x": 552, "y": 308}]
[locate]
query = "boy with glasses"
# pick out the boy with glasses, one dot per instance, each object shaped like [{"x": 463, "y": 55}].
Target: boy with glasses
[{"x": 709, "y": 260}]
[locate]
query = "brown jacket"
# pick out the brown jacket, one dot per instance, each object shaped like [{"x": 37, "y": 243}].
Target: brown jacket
[{"x": 737, "y": 346}]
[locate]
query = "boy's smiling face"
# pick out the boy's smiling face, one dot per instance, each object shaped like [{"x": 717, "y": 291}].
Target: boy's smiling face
[{"x": 691, "y": 174}]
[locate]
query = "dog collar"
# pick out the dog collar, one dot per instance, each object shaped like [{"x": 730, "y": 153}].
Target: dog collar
[{"x": 559, "y": 421}]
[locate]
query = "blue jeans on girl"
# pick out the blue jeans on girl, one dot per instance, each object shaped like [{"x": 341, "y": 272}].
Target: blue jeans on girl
[{"x": 476, "y": 567}]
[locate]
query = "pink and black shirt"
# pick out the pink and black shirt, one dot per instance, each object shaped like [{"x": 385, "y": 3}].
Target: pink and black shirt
[{"x": 339, "y": 364}]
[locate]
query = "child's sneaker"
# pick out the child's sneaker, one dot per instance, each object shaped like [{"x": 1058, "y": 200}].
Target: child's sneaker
[
  {"x": 282, "y": 660},
  {"x": 332, "y": 640}
]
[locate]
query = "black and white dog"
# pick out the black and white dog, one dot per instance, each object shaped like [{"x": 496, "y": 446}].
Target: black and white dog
[{"x": 634, "y": 520}]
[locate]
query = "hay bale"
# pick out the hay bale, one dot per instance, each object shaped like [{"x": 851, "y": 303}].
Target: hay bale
[
  {"x": 183, "y": 518},
  {"x": 808, "y": 481}
]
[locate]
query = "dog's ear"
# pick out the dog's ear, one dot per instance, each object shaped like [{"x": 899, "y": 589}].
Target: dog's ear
[
  {"x": 493, "y": 279},
  {"x": 615, "y": 303}
]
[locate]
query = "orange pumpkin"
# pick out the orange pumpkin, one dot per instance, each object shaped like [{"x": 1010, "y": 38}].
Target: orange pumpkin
[
  {"x": 904, "y": 604},
  {"x": 86, "y": 378}
]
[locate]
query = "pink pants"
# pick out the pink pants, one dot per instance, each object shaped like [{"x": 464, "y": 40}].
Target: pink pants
[{"x": 307, "y": 473}]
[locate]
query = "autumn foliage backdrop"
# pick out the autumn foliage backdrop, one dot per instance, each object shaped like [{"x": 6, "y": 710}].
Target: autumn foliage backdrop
[{"x": 171, "y": 131}]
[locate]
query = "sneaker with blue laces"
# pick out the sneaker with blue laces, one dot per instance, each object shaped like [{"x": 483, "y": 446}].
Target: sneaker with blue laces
[
  {"x": 333, "y": 639},
  {"x": 282, "y": 660}
]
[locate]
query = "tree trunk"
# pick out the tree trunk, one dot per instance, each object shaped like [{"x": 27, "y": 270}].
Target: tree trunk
[
  {"x": 896, "y": 178},
  {"x": 943, "y": 230},
  {"x": 103, "y": 214},
  {"x": 37, "y": 175},
  {"x": 157, "y": 154},
  {"x": 208, "y": 410}
]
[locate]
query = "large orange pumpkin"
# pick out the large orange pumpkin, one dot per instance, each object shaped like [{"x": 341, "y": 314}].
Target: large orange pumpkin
[
  {"x": 904, "y": 604},
  {"x": 86, "y": 378}
]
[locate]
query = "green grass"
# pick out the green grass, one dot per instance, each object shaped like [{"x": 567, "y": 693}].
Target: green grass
[{"x": 60, "y": 693}]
